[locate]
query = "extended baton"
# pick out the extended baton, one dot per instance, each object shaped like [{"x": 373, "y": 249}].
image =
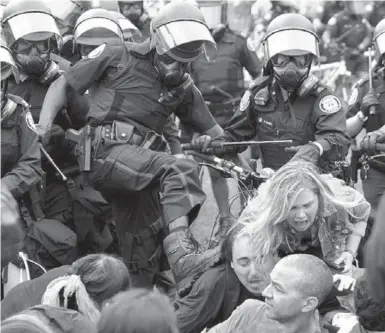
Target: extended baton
[
  {"x": 50, "y": 160},
  {"x": 222, "y": 144},
  {"x": 372, "y": 109}
]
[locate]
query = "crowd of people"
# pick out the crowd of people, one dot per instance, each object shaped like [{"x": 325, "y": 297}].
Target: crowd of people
[{"x": 99, "y": 99}]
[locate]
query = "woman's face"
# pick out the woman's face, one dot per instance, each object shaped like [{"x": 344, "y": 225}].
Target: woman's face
[{"x": 304, "y": 210}]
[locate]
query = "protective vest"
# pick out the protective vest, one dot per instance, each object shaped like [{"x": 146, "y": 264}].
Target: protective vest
[
  {"x": 276, "y": 120},
  {"x": 226, "y": 73}
]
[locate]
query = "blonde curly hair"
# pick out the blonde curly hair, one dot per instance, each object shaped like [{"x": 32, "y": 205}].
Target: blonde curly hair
[{"x": 266, "y": 213}]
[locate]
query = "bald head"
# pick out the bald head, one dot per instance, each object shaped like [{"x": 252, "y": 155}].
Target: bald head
[{"x": 310, "y": 274}]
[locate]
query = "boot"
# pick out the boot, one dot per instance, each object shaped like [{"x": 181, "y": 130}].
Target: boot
[
  {"x": 225, "y": 223},
  {"x": 187, "y": 259}
]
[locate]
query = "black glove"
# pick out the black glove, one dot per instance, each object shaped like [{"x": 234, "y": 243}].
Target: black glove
[
  {"x": 369, "y": 100},
  {"x": 203, "y": 143},
  {"x": 309, "y": 153},
  {"x": 370, "y": 140}
]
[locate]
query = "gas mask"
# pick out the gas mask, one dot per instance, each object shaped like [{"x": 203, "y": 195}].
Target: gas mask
[
  {"x": 32, "y": 56},
  {"x": 291, "y": 71},
  {"x": 170, "y": 72},
  {"x": 132, "y": 11}
]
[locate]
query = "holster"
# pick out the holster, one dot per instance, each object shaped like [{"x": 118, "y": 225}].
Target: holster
[{"x": 83, "y": 149}]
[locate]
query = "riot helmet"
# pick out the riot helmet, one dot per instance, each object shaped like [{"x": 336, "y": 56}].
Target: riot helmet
[
  {"x": 97, "y": 26},
  {"x": 290, "y": 43},
  {"x": 180, "y": 31}
]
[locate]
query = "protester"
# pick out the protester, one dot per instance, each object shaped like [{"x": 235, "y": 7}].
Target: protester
[
  {"x": 299, "y": 284},
  {"x": 218, "y": 291},
  {"x": 138, "y": 311},
  {"x": 83, "y": 287},
  {"x": 375, "y": 256},
  {"x": 299, "y": 210}
]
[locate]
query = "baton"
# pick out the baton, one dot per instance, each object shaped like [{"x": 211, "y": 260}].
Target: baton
[
  {"x": 372, "y": 109},
  {"x": 189, "y": 146},
  {"x": 50, "y": 160}
]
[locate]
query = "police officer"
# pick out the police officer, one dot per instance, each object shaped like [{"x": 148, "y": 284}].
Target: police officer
[
  {"x": 33, "y": 36},
  {"x": 134, "y": 89},
  {"x": 20, "y": 156},
  {"x": 222, "y": 85},
  {"x": 355, "y": 43},
  {"x": 367, "y": 110},
  {"x": 93, "y": 28},
  {"x": 134, "y": 11},
  {"x": 287, "y": 103}
]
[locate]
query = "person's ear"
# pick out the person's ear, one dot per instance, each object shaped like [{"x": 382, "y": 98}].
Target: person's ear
[
  {"x": 232, "y": 265},
  {"x": 310, "y": 304}
]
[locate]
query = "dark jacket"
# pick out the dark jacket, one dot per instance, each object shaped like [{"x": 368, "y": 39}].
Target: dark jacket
[{"x": 212, "y": 299}]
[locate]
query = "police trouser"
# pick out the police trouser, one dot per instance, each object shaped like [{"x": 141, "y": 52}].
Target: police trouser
[
  {"x": 140, "y": 231},
  {"x": 82, "y": 209}
]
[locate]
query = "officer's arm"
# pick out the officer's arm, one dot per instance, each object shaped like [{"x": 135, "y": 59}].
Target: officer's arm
[
  {"x": 170, "y": 133},
  {"x": 356, "y": 119},
  {"x": 195, "y": 114},
  {"x": 195, "y": 311},
  {"x": 249, "y": 60},
  {"x": 27, "y": 171},
  {"x": 330, "y": 122},
  {"x": 243, "y": 125},
  {"x": 54, "y": 101}
]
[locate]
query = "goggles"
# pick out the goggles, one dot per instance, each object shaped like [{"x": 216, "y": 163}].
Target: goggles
[
  {"x": 23, "y": 46},
  {"x": 301, "y": 61}
]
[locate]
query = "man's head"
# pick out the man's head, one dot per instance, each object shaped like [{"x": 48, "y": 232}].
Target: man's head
[
  {"x": 31, "y": 33},
  {"x": 179, "y": 35},
  {"x": 299, "y": 284},
  {"x": 371, "y": 314},
  {"x": 132, "y": 9},
  {"x": 238, "y": 251},
  {"x": 290, "y": 44}
]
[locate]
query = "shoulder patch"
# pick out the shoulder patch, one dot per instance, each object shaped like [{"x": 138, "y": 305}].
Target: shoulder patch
[
  {"x": 330, "y": 104},
  {"x": 245, "y": 101},
  {"x": 29, "y": 121},
  {"x": 353, "y": 96},
  {"x": 96, "y": 52}
]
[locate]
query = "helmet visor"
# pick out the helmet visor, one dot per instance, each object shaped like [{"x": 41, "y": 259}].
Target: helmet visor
[
  {"x": 291, "y": 42},
  {"x": 96, "y": 31},
  {"x": 128, "y": 28},
  {"x": 174, "y": 34},
  {"x": 8, "y": 65},
  {"x": 380, "y": 43},
  {"x": 29, "y": 24}
]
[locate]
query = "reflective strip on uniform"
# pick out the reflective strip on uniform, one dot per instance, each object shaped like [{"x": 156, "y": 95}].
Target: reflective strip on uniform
[
  {"x": 29, "y": 23},
  {"x": 288, "y": 40}
]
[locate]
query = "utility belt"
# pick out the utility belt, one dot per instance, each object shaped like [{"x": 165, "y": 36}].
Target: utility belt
[{"x": 90, "y": 137}]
